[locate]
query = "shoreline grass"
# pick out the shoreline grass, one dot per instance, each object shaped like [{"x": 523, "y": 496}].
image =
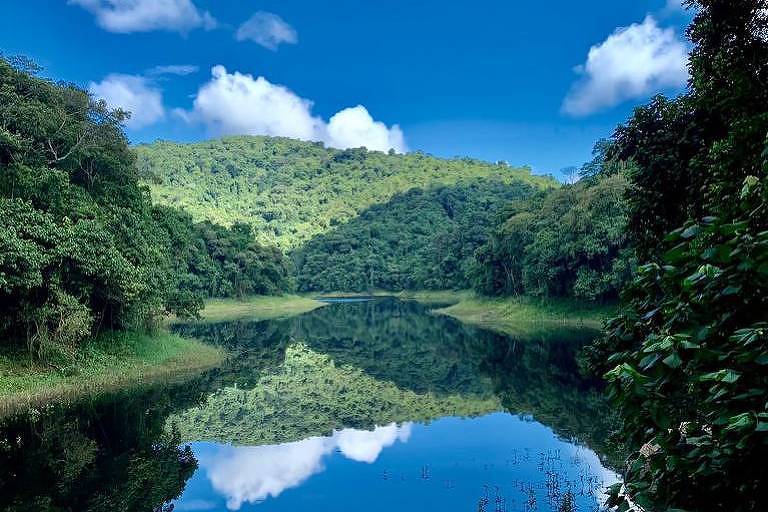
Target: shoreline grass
[
  {"x": 513, "y": 315},
  {"x": 257, "y": 307},
  {"x": 115, "y": 360}
]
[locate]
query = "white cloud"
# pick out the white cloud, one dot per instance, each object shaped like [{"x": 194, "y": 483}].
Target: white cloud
[
  {"x": 254, "y": 473},
  {"x": 633, "y": 62},
  {"x": 173, "y": 69},
  {"x": 236, "y": 103},
  {"x": 125, "y": 16},
  {"x": 354, "y": 127},
  {"x": 267, "y": 29},
  {"x": 134, "y": 94}
]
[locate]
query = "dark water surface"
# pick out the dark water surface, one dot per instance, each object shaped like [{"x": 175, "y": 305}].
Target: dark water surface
[{"x": 371, "y": 405}]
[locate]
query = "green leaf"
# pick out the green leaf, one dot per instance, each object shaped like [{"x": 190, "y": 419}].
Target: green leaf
[
  {"x": 740, "y": 421},
  {"x": 673, "y": 361},
  {"x": 690, "y": 231}
]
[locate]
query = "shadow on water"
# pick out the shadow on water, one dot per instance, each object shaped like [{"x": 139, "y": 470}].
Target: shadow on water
[{"x": 348, "y": 367}]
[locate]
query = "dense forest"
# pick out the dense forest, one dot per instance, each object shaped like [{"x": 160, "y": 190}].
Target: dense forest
[
  {"x": 419, "y": 239},
  {"x": 84, "y": 250},
  {"x": 358, "y": 220},
  {"x": 686, "y": 358},
  {"x": 290, "y": 191},
  {"x": 350, "y": 220},
  {"x": 567, "y": 242}
]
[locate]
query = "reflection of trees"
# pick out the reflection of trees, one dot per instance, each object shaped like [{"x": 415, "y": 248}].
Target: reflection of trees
[
  {"x": 355, "y": 365},
  {"x": 310, "y": 394},
  {"x": 389, "y": 340},
  {"x": 398, "y": 343},
  {"x": 107, "y": 455},
  {"x": 540, "y": 377}
]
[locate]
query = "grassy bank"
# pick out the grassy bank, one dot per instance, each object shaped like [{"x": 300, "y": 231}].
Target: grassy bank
[
  {"x": 513, "y": 315},
  {"x": 257, "y": 307},
  {"x": 113, "y": 361}
]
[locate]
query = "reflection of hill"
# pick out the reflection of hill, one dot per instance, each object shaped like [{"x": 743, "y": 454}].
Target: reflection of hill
[
  {"x": 384, "y": 361},
  {"x": 311, "y": 395},
  {"x": 390, "y": 340}
]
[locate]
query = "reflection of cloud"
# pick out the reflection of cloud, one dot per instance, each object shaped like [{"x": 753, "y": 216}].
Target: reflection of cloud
[
  {"x": 364, "y": 446},
  {"x": 253, "y": 473},
  {"x": 590, "y": 461}
]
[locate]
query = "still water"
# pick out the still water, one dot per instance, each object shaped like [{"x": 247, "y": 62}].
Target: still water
[{"x": 363, "y": 405}]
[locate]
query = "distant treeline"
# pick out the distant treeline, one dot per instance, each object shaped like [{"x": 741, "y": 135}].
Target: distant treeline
[{"x": 420, "y": 239}]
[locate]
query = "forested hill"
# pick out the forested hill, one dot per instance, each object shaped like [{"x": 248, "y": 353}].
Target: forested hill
[{"x": 292, "y": 191}]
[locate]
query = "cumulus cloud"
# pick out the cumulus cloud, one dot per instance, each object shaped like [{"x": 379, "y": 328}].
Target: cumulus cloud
[
  {"x": 125, "y": 16},
  {"x": 267, "y": 29},
  {"x": 173, "y": 69},
  {"x": 254, "y": 473},
  {"x": 236, "y": 103},
  {"x": 134, "y": 94},
  {"x": 354, "y": 127},
  {"x": 631, "y": 63}
]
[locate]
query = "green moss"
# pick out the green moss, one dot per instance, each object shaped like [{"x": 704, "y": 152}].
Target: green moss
[{"x": 112, "y": 361}]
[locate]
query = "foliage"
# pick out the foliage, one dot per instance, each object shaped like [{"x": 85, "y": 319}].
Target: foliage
[
  {"x": 83, "y": 249},
  {"x": 291, "y": 191},
  {"x": 214, "y": 261},
  {"x": 420, "y": 239},
  {"x": 687, "y": 354},
  {"x": 80, "y": 250},
  {"x": 694, "y": 391},
  {"x": 568, "y": 242}
]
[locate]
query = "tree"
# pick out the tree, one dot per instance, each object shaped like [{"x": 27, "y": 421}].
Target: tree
[{"x": 687, "y": 355}]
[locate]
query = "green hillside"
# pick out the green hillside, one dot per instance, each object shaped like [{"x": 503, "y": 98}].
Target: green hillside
[{"x": 291, "y": 191}]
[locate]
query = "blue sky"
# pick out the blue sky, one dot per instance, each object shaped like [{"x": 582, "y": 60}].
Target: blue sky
[{"x": 497, "y": 80}]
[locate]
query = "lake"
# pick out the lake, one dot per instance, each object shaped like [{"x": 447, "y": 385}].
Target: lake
[{"x": 375, "y": 405}]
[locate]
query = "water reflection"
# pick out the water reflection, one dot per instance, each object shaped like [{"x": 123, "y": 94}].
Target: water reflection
[
  {"x": 112, "y": 453},
  {"x": 253, "y": 473},
  {"x": 377, "y": 405},
  {"x": 494, "y": 463}
]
